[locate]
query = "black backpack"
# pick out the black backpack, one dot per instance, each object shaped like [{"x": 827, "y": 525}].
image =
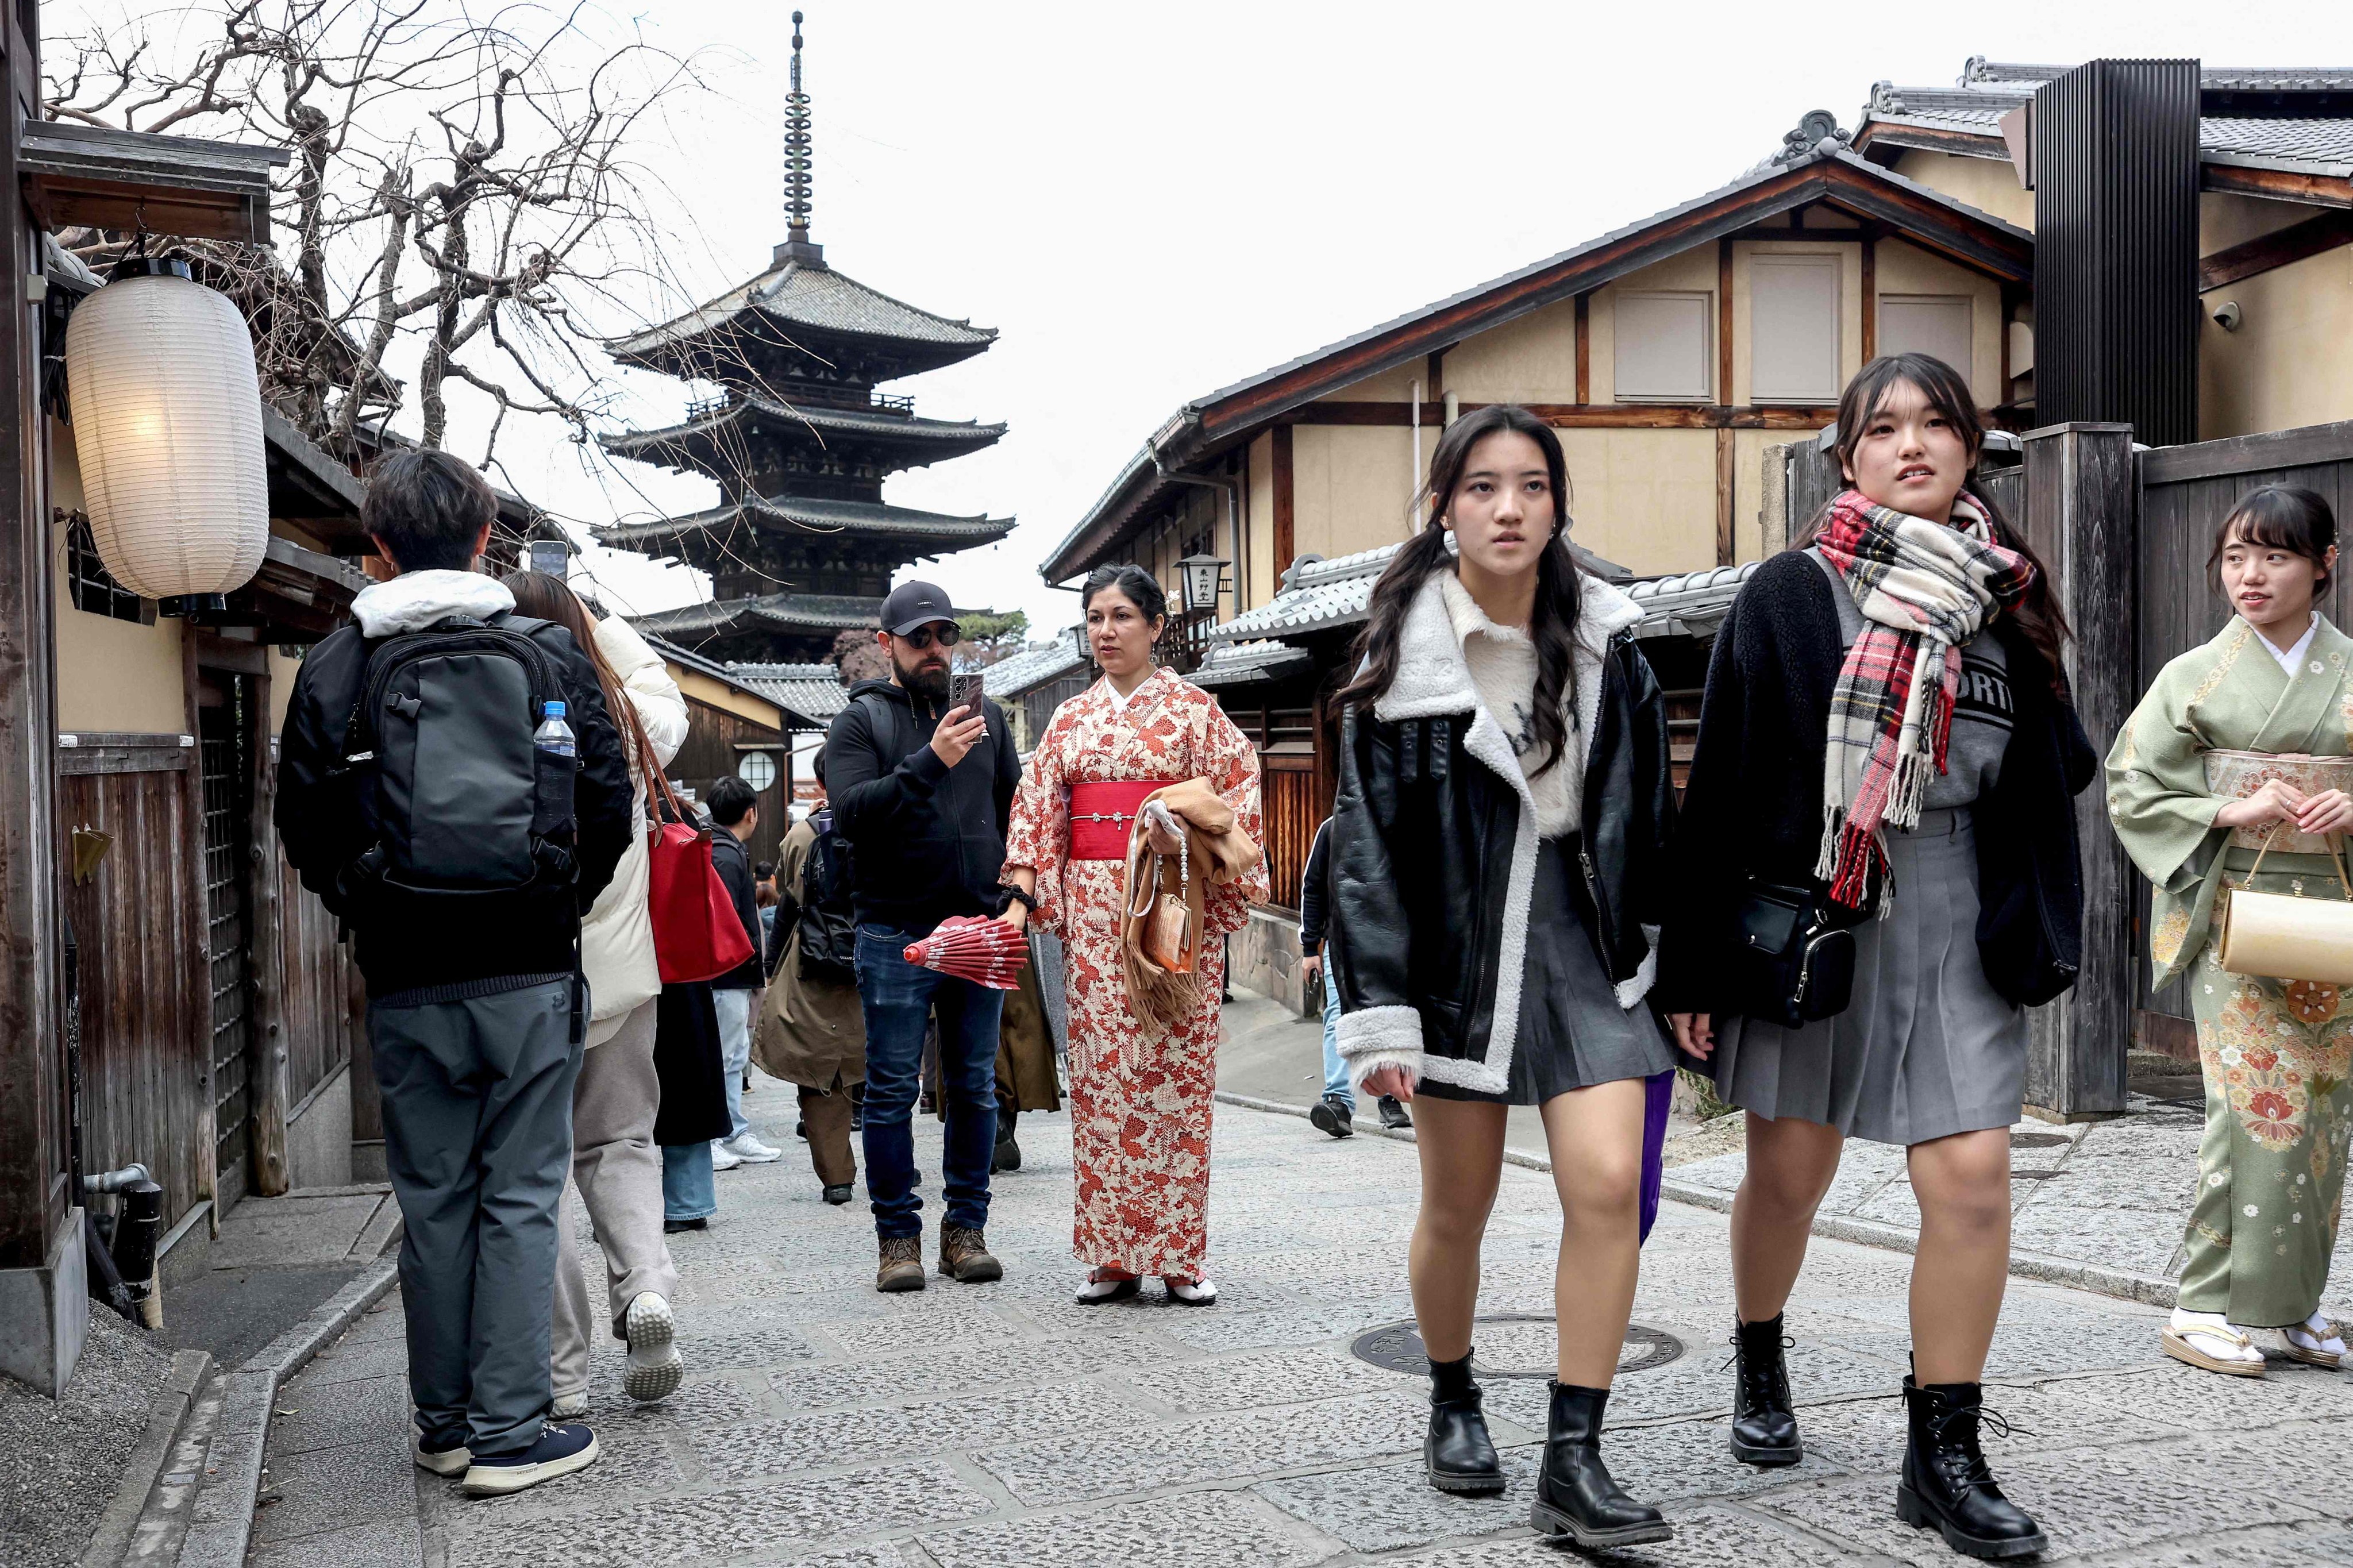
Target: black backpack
[
  {"x": 827, "y": 927},
  {"x": 453, "y": 797}
]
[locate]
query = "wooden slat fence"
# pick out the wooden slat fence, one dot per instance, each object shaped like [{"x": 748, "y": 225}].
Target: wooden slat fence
[{"x": 319, "y": 989}]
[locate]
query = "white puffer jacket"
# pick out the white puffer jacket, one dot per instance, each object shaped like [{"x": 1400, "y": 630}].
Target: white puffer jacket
[{"x": 617, "y": 940}]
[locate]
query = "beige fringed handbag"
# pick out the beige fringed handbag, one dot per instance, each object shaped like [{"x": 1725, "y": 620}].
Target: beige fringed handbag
[{"x": 2283, "y": 936}]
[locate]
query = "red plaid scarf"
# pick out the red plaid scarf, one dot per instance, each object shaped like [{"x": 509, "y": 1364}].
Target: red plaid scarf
[{"x": 1924, "y": 589}]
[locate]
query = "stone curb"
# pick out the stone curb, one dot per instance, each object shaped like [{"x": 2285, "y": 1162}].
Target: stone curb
[
  {"x": 167, "y": 1417},
  {"x": 2099, "y": 1280},
  {"x": 220, "y": 1525}
]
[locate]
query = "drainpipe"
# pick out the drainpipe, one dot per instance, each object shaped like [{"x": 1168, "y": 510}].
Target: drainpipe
[{"x": 1415, "y": 390}]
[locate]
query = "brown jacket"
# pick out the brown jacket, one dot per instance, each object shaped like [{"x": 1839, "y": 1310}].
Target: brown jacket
[{"x": 810, "y": 1032}]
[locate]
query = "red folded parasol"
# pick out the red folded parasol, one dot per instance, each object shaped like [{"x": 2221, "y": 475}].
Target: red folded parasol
[{"x": 975, "y": 948}]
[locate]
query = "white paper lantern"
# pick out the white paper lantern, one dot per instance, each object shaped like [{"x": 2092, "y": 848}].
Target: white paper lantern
[{"x": 167, "y": 424}]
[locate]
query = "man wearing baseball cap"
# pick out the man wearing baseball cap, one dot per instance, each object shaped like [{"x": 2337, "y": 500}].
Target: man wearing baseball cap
[{"x": 922, "y": 790}]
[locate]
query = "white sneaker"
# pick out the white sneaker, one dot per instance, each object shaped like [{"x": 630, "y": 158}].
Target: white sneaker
[
  {"x": 723, "y": 1158},
  {"x": 567, "y": 1407},
  {"x": 751, "y": 1151},
  {"x": 655, "y": 1365}
]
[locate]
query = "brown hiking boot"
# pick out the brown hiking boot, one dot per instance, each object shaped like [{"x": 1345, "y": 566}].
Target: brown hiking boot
[
  {"x": 902, "y": 1264},
  {"x": 964, "y": 1254}
]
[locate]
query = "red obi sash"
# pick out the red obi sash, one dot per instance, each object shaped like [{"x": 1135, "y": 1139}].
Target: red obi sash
[{"x": 1102, "y": 815}]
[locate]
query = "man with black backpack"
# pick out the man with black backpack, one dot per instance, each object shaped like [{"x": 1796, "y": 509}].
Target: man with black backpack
[
  {"x": 451, "y": 787},
  {"x": 812, "y": 1029},
  {"x": 923, "y": 789}
]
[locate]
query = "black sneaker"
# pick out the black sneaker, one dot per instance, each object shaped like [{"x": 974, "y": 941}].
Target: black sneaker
[
  {"x": 1007, "y": 1156},
  {"x": 561, "y": 1450},
  {"x": 1334, "y": 1115},
  {"x": 1393, "y": 1115},
  {"x": 839, "y": 1196},
  {"x": 672, "y": 1226}
]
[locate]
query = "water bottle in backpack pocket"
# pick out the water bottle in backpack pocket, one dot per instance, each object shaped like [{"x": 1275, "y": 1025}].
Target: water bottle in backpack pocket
[{"x": 464, "y": 762}]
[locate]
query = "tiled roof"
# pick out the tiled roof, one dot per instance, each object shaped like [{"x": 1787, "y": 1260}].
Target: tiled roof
[
  {"x": 1249, "y": 663},
  {"x": 812, "y": 693},
  {"x": 1033, "y": 668},
  {"x": 1987, "y": 90},
  {"x": 873, "y": 424},
  {"x": 820, "y": 515},
  {"x": 788, "y": 612},
  {"x": 1333, "y": 594},
  {"x": 814, "y": 297}
]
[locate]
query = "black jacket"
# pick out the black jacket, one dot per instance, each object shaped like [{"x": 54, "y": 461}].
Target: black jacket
[
  {"x": 927, "y": 841},
  {"x": 734, "y": 864},
  {"x": 1753, "y": 806},
  {"x": 1430, "y": 878},
  {"x": 406, "y": 941},
  {"x": 1315, "y": 891}
]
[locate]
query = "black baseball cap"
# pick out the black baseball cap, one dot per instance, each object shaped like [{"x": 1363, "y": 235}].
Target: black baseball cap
[{"x": 912, "y": 605}]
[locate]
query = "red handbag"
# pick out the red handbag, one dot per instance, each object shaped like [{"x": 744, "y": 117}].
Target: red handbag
[{"x": 697, "y": 934}]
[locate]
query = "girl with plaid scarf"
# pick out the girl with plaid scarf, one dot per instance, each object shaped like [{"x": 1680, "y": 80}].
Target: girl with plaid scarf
[{"x": 1885, "y": 720}]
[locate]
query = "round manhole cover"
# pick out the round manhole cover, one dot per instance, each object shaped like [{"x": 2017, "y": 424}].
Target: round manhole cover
[{"x": 1509, "y": 1344}]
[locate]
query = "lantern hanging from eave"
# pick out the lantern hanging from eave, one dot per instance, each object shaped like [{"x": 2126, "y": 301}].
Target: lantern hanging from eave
[{"x": 166, "y": 413}]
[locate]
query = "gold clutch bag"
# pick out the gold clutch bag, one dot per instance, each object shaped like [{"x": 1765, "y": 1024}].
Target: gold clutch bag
[{"x": 2283, "y": 936}]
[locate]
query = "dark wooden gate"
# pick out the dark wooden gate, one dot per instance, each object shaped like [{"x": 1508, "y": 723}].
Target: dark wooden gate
[{"x": 224, "y": 726}]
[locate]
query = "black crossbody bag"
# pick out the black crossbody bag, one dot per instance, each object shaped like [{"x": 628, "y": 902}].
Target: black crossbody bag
[{"x": 1796, "y": 955}]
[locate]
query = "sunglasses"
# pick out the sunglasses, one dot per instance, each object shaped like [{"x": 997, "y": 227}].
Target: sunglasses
[{"x": 922, "y": 638}]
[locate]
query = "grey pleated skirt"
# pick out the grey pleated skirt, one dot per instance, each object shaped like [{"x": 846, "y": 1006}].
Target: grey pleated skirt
[
  {"x": 1572, "y": 1033},
  {"x": 1927, "y": 1048}
]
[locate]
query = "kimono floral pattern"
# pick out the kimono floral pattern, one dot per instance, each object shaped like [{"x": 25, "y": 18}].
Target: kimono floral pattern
[{"x": 1139, "y": 1106}]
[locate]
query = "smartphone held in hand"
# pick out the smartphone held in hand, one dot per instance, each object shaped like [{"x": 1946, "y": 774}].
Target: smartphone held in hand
[{"x": 965, "y": 691}]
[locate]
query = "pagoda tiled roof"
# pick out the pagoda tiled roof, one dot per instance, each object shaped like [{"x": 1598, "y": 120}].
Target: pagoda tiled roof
[
  {"x": 938, "y": 438},
  {"x": 763, "y": 612},
  {"x": 897, "y": 524},
  {"x": 803, "y": 298}
]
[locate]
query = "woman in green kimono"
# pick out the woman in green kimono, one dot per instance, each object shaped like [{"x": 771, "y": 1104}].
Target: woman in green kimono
[{"x": 2271, "y": 1168}]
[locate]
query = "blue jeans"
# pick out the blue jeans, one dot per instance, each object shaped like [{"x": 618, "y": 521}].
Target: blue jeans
[
  {"x": 899, "y": 998},
  {"x": 689, "y": 1191},
  {"x": 734, "y": 1009},
  {"x": 1335, "y": 1071}
]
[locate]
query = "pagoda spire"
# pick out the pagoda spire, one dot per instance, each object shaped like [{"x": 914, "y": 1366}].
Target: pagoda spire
[{"x": 799, "y": 181}]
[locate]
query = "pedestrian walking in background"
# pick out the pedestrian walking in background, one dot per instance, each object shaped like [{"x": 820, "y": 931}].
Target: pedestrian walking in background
[
  {"x": 616, "y": 1164},
  {"x": 1887, "y": 736},
  {"x": 812, "y": 1029},
  {"x": 736, "y": 811},
  {"x": 1025, "y": 1063},
  {"x": 2197, "y": 789},
  {"x": 462, "y": 829},
  {"x": 1498, "y": 849},
  {"x": 921, "y": 787},
  {"x": 1335, "y": 1111},
  {"x": 692, "y": 1117},
  {"x": 1140, "y": 1086}
]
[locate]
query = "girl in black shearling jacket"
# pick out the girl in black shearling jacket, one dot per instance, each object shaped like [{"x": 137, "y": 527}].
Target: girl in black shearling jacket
[{"x": 1504, "y": 809}]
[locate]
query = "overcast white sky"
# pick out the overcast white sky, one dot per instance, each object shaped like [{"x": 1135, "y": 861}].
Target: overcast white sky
[{"x": 1151, "y": 201}]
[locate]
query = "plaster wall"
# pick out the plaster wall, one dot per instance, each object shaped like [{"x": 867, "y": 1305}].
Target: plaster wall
[
  {"x": 1350, "y": 486},
  {"x": 2226, "y": 220},
  {"x": 1644, "y": 498},
  {"x": 2286, "y": 365},
  {"x": 1258, "y": 524},
  {"x": 1531, "y": 359},
  {"x": 1390, "y": 386},
  {"x": 112, "y": 675},
  {"x": 1988, "y": 185}
]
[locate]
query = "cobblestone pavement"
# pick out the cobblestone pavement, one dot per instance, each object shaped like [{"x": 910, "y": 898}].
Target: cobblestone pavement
[
  {"x": 968, "y": 1427},
  {"x": 2114, "y": 1193}
]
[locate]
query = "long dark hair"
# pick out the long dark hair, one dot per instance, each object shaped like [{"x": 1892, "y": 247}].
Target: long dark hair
[
  {"x": 545, "y": 596},
  {"x": 1947, "y": 392},
  {"x": 1559, "y": 595}
]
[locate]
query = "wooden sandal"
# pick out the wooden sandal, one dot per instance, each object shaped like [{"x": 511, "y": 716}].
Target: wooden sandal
[{"x": 2178, "y": 1345}]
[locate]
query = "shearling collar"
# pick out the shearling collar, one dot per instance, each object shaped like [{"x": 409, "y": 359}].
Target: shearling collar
[
  {"x": 1433, "y": 676},
  {"x": 415, "y": 600}
]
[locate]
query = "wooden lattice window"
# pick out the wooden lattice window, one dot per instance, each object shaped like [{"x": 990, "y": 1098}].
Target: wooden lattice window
[{"x": 90, "y": 586}]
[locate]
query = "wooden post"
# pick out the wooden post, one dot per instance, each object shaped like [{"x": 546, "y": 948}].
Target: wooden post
[
  {"x": 2082, "y": 517},
  {"x": 44, "y": 1314},
  {"x": 1285, "y": 543},
  {"x": 1723, "y": 323},
  {"x": 1725, "y": 488},
  {"x": 1871, "y": 296},
  {"x": 195, "y": 956},
  {"x": 266, "y": 1071},
  {"x": 1584, "y": 350}
]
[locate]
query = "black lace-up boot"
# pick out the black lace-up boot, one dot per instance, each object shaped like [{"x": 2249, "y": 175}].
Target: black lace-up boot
[
  {"x": 1459, "y": 1454},
  {"x": 1763, "y": 1427},
  {"x": 1945, "y": 1482},
  {"x": 1575, "y": 1495}
]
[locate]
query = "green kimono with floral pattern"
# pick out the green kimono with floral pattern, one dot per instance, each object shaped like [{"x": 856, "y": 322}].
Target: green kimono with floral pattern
[{"x": 2275, "y": 1053}]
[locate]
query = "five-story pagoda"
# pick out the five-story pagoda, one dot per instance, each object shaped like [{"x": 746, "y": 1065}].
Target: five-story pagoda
[{"x": 801, "y": 546}]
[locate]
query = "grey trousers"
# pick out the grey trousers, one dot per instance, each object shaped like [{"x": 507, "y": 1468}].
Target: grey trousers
[
  {"x": 619, "y": 1169},
  {"x": 477, "y": 1134}
]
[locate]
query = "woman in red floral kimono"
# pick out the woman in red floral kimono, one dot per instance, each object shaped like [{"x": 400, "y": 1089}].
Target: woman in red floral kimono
[{"x": 1139, "y": 1100}]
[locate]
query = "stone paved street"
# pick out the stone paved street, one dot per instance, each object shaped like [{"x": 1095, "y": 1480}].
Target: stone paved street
[{"x": 970, "y": 1427}]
